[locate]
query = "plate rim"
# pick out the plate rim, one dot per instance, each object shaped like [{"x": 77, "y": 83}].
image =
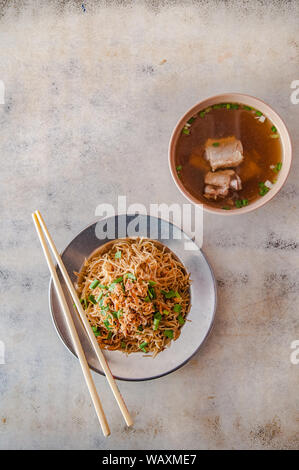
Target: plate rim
[{"x": 143, "y": 379}]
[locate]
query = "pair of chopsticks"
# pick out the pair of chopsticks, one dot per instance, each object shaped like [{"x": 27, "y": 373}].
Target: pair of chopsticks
[{"x": 44, "y": 235}]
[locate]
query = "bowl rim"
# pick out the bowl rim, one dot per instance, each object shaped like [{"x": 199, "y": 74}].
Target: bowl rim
[
  {"x": 128, "y": 379},
  {"x": 269, "y": 112}
]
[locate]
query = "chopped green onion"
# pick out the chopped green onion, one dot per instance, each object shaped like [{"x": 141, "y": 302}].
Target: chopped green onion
[
  {"x": 152, "y": 283},
  {"x": 84, "y": 301},
  {"x": 152, "y": 292},
  {"x": 104, "y": 309},
  {"x": 235, "y": 106},
  {"x": 116, "y": 281},
  {"x": 96, "y": 332},
  {"x": 241, "y": 203},
  {"x": 142, "y": 346},
  {"x": 258, "y": 113},
  {"x": 216, "y": 106},
  {"x": 147, "y": 299},
  {"x": 157, "y": 318},
  {"x": 177, "y": 308},
  {"x": 192, "y": 119},
  {"x": 186, "y": 131},
  {"x": 94, "y": 284},
  {"x": 177, "y": 294},
  {"x": 228, "y": 105},
  {"x": 226, "y": 208},
  {"x": 99, "y": 297},
  {"x": 123, "y": 345},
  {"x": 109, "y": 334},
  {"x": 273, "y": 129},
  {"x": 140, "y": 328},
  {"x": 181, "y": 320},
  {"x": 107, "y": 324},
  {"x": 179, "y": 167},
  {"x": 92, "y": 299},
  {"x": 165, "y": 312},
  {"x": 130, "y": 276},
  {"x": 248, "y": 108},
  {"x": 277, "y": 167},
  {"x": 117, "y": 314},
  {"x": 263, "y": 189},
  {"x": 215, "y": 144},
  {"x": 202, "y": 114},
  {"x": 117, "y": 255},
  {"x": 169, "y": 294},
  {"x": 168, "y": 333}
]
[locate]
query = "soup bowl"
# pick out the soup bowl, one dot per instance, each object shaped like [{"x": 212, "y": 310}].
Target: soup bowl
[{"x": 256, "y": 104}]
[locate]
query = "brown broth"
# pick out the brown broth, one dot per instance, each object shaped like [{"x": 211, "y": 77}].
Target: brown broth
[{"x": 260, "y": 152}]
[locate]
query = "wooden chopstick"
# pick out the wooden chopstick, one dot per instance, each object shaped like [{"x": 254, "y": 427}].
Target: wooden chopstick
[
  {"x": 90, "y": 333},
  {"x": 74, "y": 335}
]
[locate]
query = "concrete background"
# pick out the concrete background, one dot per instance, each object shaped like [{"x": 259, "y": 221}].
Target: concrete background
[{"x": 91, "y": 98}]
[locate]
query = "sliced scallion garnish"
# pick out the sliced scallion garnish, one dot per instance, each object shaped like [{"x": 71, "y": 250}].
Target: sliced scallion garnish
[
  {"x": 263, "y": 189},
  {"x": 177, "y": 308},
  {"x": 94, "y": 284},
  {"x": 107, "y": 324},
  {"x": 277, "y": 167},
  {"x": 92, "y": 299},
  {"x": 168, "y": 333},
  {"x": 130, "y": 276},
  {"x": 169, "y": 294},
  {"x": 143, "y": 345},
  {"x": 241, "y": 203},
  {"x": 157, "y": 318}
]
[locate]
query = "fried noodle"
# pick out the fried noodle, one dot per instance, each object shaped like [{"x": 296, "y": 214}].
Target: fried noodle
[{"x": 136, "y": 295}]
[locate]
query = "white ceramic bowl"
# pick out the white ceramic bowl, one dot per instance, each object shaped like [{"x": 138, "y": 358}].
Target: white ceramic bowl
[{"x": 269, "y": 113}]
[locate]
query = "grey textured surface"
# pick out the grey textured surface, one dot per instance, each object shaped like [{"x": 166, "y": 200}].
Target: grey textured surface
[{"x": 91, "y": 100}]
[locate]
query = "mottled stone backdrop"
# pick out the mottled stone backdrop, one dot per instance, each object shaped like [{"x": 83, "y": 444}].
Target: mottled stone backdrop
[{"x": 92, "y": 94}]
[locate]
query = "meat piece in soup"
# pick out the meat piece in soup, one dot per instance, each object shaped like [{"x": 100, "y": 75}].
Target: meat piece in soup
[
  {"x": 218, "y": 183},
  {"x": 224, "y": 153}
]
